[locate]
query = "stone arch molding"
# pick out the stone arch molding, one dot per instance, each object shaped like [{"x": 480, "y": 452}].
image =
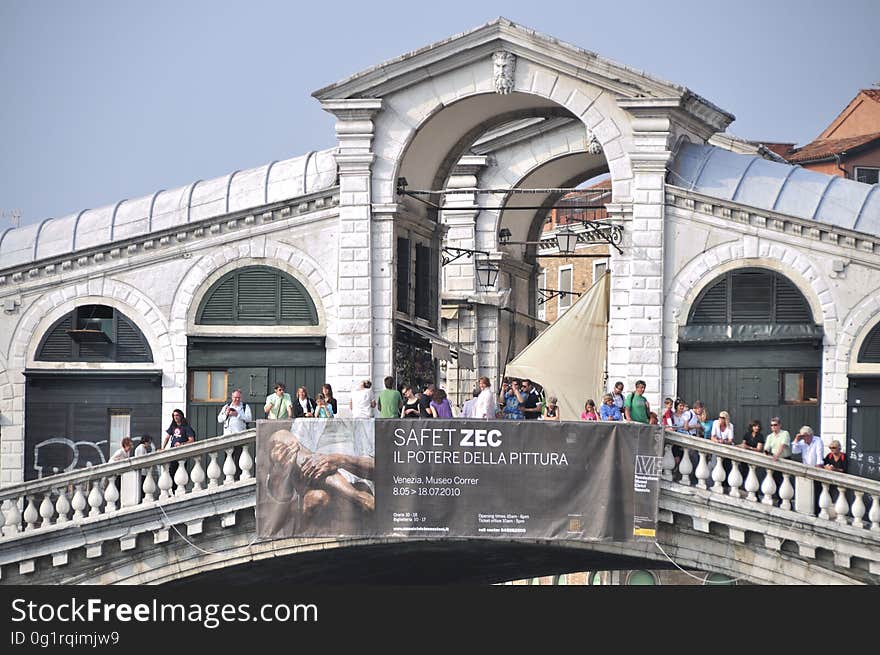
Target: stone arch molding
[
  {"x": 515, "y": 164},
  {"x": 212, "y": 267},
  {"x": 855, "y": 329},
  {"x": 406, "y": 113},
  {"x": 131, "y": 301},
  {"x": 789, "y": 262}
]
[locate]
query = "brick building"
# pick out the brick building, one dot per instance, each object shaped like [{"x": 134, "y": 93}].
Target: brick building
[
  {"x": 849, "y": 147},
  {"x": 571, "y": 274}
]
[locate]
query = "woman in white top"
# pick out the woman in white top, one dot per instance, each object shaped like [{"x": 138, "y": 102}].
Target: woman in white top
[
  {"x": 722, "y": 429},
  {"x": 145, "y": 447},
  {"x": 123, "y": 453}
]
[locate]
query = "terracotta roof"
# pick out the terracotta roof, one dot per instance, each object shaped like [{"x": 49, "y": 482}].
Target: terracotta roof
[
  {"x": 873, "y": 94},
  {"x": 827, "y": 148},
  {"x": 781, "y": 149}
]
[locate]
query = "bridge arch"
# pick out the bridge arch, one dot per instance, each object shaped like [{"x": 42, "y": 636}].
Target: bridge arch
[{"x": 448, "y": 113}]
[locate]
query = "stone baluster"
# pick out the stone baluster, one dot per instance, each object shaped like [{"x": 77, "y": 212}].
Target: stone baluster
[
  {"x": 2, "y": 517},
  {"x": 30, "y": 515},
  {"x": 229, "y": 467},
  {"x": 214, "y": 471},
  {"x": 824, "y": 502},
  {"x": 841, "y": 506},
  {"x": 197, "y": 475},
  {"x": 149, "y": 487},
  {"x": 685, "y": 467},
  {"x": 62, "y": 506},
  {"x": 79, "y": 503},
  {"x": 718, "y": 476},
  {"x": 96, "y": 499},
  {"x": 181, "y": 478},
  {"x": 165, "y": 483},
  {"x": 752, "y": 485},
  {"x": 13, "y": 518},
  {"x": 47, "y": 510},
  {"x": 668, "y": 463},
  {"x": 858, "y": 510},
  {"x": 702, "y": 471},
  {"x": 874, "y": 514},
  {"x": 246, "y": 462},
  {"x": 735, "y": 480},
  {"x": 768, "y": 488},
  {"x": 786, "y": 492},
  {"x": 111, "y": 494}
]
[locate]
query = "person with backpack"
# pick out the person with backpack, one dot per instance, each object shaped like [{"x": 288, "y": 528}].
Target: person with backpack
[
  {"x": 636, "y": 407},
  {"x": 235, "y": 415}
]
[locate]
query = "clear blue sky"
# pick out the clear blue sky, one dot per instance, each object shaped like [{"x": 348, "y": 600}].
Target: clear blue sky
[{"x": 106, "y": 100}]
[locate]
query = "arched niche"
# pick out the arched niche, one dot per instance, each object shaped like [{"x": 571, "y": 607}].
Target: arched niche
[
  {"x": 94, "y": 333},
  {"x": 257, "y": 295}
]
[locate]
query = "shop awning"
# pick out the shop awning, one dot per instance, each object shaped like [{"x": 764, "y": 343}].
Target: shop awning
[{"x": 441, "y": 348}]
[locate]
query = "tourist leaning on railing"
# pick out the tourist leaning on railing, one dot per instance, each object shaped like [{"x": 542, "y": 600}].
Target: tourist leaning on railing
[{"x": 835, "y": 460}]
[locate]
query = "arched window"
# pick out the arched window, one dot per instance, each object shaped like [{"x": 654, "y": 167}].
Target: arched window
[
  {"x": 94, "y": 333},
  {"x": 637, "y": 577},
  {"x": 869, "y": 353},
  {"x": 257, "y": 295},
  {"x": 750, "y": 295}
]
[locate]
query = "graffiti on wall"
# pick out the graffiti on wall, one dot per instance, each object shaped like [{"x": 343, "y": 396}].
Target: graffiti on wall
[{"x": 60, "y": 454}]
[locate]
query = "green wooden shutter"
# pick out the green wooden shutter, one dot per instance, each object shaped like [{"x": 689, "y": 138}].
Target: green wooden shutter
[
  {"x": 57, "y": 345},
  {"x": 870, "y": 350},
  {"x": 219, "y": 306},
  {"x": 790, "y": 304},
  {"x": 296, "y": 307},
  {"x": 131, "y": 345},
  {"x": 751, "y": 297},
  {"x": 711, "y": 308},
  {"x": 258, "y": 296}
]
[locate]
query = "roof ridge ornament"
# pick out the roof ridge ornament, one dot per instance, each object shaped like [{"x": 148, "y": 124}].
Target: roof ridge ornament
[{"x": 504, "y": 66}]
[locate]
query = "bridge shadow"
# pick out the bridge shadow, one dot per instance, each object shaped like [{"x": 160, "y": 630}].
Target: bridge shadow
[{"x": 419, "y": 563}]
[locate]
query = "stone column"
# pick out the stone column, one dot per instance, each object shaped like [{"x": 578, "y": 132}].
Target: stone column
[
  {"x": 459, "y": 283},
  {"x": 354, "y": 158},
  {"x": 636, "y": 348},
  {"x": 635, "y": 330}
]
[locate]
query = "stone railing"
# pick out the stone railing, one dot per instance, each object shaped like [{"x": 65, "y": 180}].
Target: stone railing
[
  {"x": 106, "y": 491},
  {"x": 738, "y": 473}
]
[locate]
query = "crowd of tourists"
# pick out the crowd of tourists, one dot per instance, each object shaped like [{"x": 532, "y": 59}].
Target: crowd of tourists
[{"x": 518, "y": 399}]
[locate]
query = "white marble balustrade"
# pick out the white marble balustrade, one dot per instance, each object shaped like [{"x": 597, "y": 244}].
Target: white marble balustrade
[
  {"x": 755, "y": 477},
  {"x": 105, "y": 490}
]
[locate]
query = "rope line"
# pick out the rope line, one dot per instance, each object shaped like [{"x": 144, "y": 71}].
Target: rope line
[
  {"x": 704, "y": 580},
  {"x": 198, "y": 548}
]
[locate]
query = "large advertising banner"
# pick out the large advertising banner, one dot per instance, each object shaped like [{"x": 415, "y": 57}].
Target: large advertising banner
[{"x": 458, "y": 478}]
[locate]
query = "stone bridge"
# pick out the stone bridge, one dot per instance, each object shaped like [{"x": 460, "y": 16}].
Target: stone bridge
[{"x": 131, "y": 523}]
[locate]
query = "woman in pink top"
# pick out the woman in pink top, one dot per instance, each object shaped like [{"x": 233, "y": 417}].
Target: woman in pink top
[{"x": 589, "y": 413}]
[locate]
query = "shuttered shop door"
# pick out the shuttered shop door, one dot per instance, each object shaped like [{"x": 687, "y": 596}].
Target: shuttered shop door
[
  {"x": 254, "y": 365},
  {"x": 67, "y": 416}
]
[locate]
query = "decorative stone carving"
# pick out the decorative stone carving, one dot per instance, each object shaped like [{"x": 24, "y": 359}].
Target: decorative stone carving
[
  {"x": 504, "y": 65},
  {"x": 594, "y": 147}
]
